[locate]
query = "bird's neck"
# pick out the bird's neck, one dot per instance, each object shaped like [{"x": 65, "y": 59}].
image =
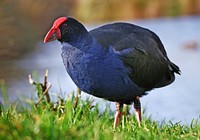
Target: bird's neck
[
  {"x": 81, "y": 41},
  {"x": 78, "y": 37}
]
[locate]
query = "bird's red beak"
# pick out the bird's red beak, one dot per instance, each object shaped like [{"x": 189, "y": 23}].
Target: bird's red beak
[{"x": 54, "y": 33}]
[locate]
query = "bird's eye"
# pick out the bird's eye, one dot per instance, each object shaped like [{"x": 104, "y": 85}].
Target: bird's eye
[
  {"x": 64, "y": 28},
  {"x": 64, "y": 25}
]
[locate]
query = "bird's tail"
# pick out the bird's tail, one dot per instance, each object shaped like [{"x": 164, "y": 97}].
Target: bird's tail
[{"x": 175, "y": 68}]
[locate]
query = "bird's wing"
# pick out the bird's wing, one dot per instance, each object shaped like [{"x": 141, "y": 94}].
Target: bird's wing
[
  {"x": 141, "y": 50},
  {"x": 149, "y": 67}
]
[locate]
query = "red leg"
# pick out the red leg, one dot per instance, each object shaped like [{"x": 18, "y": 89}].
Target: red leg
[
  {"x": 119, "y": 107},
  {"x": 137, "y": 107}
]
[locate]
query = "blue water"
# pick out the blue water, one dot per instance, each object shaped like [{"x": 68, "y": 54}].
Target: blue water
[{"x": 178, "y": 102}]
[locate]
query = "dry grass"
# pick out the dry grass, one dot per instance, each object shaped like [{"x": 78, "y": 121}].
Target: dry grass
[{"x": 131, "y": 9}]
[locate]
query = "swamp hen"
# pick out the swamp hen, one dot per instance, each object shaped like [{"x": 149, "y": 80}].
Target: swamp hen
[{"x": 119, "y": 62}]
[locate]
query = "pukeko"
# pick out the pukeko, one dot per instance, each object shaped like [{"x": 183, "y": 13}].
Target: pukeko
[{"x": 119, "y": 62}]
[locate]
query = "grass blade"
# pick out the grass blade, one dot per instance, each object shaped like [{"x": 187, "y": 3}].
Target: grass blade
[{"x": 4, "y": 92}]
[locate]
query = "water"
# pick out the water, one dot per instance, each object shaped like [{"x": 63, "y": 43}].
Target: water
[{"x": 176, "y": 102}]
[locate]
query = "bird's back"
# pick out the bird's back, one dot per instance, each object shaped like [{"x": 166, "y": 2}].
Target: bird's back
[
  {"x": 117, "y": 32},
  {"x": 141, "y": 50}
]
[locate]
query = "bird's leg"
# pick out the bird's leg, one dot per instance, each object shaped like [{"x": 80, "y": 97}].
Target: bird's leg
[
  {"x": 137, "y": 107},
  {"x": 119, "y": 107}
]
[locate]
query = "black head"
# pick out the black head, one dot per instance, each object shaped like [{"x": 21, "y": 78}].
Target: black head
[{"x": 65, "y": 29}]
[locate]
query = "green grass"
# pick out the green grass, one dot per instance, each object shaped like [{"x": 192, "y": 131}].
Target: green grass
[
  {"x": 84, "y": 122},
  {"x": 70, "y": 119}
]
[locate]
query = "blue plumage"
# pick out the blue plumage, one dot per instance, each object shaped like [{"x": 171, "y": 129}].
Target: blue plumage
[{"x": 101, "y": 74}]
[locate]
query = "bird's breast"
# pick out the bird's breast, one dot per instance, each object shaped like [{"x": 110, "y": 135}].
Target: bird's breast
[{"x": 101, "y": 74}]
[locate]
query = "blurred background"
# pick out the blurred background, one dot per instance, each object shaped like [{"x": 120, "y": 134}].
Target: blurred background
[{"x": 23, "y": 25}]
